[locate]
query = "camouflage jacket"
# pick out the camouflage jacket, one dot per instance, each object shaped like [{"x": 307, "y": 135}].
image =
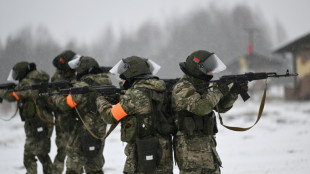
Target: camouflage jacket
[
  {"x": 134, "y": 101},
  {"x": 63, "y": 119},
  {"x": 186, "y": 97},
  {"x": 85, "y": 104},
  {"x": 26, "y": 96},
  {"x": 61, "y": 75}
]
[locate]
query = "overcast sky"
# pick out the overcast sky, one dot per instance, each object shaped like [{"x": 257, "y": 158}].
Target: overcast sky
[{"x": 85, "y": 19}]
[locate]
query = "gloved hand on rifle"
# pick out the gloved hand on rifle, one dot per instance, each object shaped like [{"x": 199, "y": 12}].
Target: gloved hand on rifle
[
  {"x": 243, "y": 86},
  {"x": 92, "y": 96},
  {"x": 223, "y": 87}
]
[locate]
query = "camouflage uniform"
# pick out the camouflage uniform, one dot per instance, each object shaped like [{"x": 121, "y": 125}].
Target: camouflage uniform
[
  {"x": 194, "y": 143},
  {"x": 136, "y": 103},
  {"x": 35, "y": 145},
  {"x": 77, "y": 159},
  {"x": 63, "y": 120}
]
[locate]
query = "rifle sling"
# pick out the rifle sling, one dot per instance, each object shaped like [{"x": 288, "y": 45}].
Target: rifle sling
[
  {"x": 260, "y": 112},
  {"x": 39, "y": 114},
  {"x": 112, "y": 127},
  {"x": 87, "y": 128}
]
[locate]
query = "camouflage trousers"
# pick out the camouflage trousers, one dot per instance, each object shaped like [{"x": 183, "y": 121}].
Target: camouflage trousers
[
  {"x": 61, "y": 143},
  {"x": 76, "y": 162},
  {"x": 196, "y": 155},
  {"x": 40, "y": 149},
  {"x": 165, "y": 164}
]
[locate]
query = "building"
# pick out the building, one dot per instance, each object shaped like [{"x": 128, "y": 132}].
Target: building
[{"x": 300, "y": 51}]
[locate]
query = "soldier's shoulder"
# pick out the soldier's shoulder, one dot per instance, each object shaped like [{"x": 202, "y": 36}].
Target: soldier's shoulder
[
  {"x": 80, "y": 84},
  {"x": 38, "y": 75},
  {"x": 182, "y": 85}
]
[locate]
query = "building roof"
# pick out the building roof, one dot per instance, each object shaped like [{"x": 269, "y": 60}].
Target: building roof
[
  {"x": 302, "y": 43},
  {"x": 254, "y": 62}
]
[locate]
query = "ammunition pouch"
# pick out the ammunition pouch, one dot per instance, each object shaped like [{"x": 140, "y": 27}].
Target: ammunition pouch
[
  {"x": 129, "y": 129},
  {"x": 149, "y": 154},
  {"x": 39, "y": 129},
  {"x": 91, "y": 146},
  {"x": 191, "y": 124}
]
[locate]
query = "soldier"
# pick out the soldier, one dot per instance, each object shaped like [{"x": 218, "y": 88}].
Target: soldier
[
  {"x": 62, "y": 119},
  {"x": 193, "y": 105},
  {"x": 34, "y": 113},
  {"x": 85, "y": 147},
  {"x": 144, "y": 126}
]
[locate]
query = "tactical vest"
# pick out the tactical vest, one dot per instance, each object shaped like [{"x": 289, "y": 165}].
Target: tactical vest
[
  {"x": 149, "y": 125},
  {"x": 143, "y": 130},
  {"x": 191, "y": 124}
]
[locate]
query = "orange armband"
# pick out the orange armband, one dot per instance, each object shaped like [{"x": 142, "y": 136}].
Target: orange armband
[
  {"x": 70, "y": 102},
  {"x": 15, "y": 95},
  {"x": 118, "y": 112}
]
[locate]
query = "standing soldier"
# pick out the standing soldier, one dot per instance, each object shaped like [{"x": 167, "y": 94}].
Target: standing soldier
[
  {"x": 144, "y": 126},
  {"x": 62, "y": 119},
  {"x": 34, "y": 112},
  {"x": 85, "y": 147},
  {"x": 193, "y": 105}
]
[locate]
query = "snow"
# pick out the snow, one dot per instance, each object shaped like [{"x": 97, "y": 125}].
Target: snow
[{"x": 278, "y": 144}]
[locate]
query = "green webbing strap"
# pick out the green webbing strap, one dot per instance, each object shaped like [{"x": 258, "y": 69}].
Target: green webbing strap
[
  {"x": 260, "y": 112},
  {"x": 87, "y": 128},
  {"x": 112, "y": 127},
  {"x": 39, "y": 114}
]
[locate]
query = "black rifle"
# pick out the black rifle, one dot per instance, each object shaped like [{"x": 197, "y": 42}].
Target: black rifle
[
  {"x": 7, "y": 86},
  {"x": 104, "y": 90},
  {"x": 105, "y": 69},
  {"x": 47, "y": 86},
  {"x": 238, "y": 79}
]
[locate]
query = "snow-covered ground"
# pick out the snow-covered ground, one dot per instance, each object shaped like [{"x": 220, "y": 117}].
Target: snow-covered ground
[{"x": 278, "y": 144}]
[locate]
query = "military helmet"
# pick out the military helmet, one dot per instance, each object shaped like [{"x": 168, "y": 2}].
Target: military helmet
[
  {"x": 199, "y": 63},
  {"x": 20, "y": 70},
  {"x": 87, "y": 65},
  {"x": 134, "y": 66},
  {"x": 61, "y": 61}
]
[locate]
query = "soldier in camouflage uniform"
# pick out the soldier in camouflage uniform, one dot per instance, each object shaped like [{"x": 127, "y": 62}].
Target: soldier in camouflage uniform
[
  {"x": 37, "y": 128},
  {"x": 83, "y": 149},
  {"x": 194, "y": 143},
  {"x": 62, "y": 119},
  {"x": 143, "y": 127}
]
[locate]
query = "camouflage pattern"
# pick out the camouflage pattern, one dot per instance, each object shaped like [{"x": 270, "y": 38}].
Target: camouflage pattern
[
  {"x": 63, "y": 120},
  {"x": 34, "y": 146},
  {"x": 76, "y": 159},
  {"x": 135, "y": 102},
  {"x": 197, "y": 153}
]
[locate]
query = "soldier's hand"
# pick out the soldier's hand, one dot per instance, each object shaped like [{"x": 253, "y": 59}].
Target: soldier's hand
[
  {"x": 223, "y": 87},
  {"x": 243, "y": 85}
]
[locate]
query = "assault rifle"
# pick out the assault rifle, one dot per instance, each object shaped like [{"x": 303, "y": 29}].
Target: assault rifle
[
  {"x": 47, "y": 86},
  {"x": 104, "y": 90},
  {"x": 7, "y": 86},
  {"x": 105, "y": 69},
  {"x": 238, "y": 79}
]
